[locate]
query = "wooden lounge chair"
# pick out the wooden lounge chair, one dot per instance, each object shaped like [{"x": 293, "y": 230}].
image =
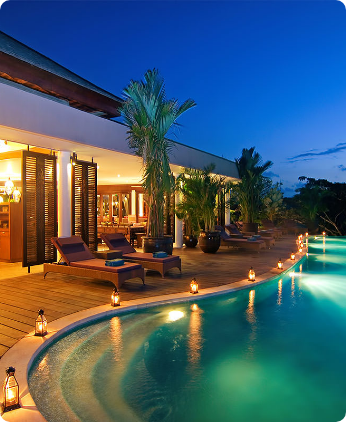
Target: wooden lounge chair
[
  {"x": 269, "y": 227},
  {"x": 80, "y": 262},
  {"x": 162, "y": 265},
  {"x": 239, "y": 242},
  {"x": 232, "y": 229}
]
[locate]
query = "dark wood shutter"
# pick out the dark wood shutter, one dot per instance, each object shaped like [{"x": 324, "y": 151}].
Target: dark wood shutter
[
  {"x": 39, "y": 207},
  {"x": 84, "y": 202}
]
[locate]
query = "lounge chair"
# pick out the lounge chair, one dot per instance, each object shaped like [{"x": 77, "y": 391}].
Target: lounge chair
[
  {"x": 232, "y": 229},
  {"x": 239, "y": 242},
  {"x": 162, "y": 265},
  {"x": 80, "y": 262},
  {"x": 269, "y": 227}
]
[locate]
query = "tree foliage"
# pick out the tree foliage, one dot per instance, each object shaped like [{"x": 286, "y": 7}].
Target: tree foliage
[{"x": 150, "y": 115}]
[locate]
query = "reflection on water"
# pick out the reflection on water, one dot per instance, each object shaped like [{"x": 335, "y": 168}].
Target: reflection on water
[
  {"x": 251, "y": 318},
  {"x": 116, "y": 338},
  {"x": 279, "y": 301},
  {"x": 195, "y": 335}
]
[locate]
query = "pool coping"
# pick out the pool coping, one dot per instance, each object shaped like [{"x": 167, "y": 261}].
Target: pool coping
[{"x": 23, "y": 353}]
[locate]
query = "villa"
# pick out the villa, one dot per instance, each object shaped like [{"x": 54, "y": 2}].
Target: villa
[{"x": 57, "y": 126}]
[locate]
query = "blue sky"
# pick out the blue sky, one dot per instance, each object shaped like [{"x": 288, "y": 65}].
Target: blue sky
[{"x": 265, "y": 74}]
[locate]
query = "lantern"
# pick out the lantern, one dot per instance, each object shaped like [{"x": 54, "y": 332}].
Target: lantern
[
  {"x": 300, "y": 250},
  {"x": 306, "y": 234},
  {"x": 115, "y": 298},
  {"x": 193, "y": 286},
  {"x": 293, "y": 256},
  {"x": 251, "y": 274},
  {"x": 280, "y": 264},
  {"x": 11, "y": 391},
  {"x": 323, "y": 233},
  {"x": 41, "y": 324}
]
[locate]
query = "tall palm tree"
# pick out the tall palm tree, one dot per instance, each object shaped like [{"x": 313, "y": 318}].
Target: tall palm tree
[
  {"x": 253, "y": 185},
  {"x": 150, "y": 115}
]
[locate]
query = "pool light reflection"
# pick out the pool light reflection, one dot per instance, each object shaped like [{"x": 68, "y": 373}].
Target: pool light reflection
[{"x": 175, "y": 315}]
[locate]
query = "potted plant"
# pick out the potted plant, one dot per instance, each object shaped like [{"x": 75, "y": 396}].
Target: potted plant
[
  {"x": 200, "y": 189},
  {"x": 150, "y": 115},
  {"x": 252, "y": 188}
]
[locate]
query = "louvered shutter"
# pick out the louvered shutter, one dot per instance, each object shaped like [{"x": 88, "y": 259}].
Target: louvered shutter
[
  {"x": 39, "y": 207},
  {"x": 84, "y": 202}
]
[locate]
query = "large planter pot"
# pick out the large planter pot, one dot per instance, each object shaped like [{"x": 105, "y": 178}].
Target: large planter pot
[
  {"x": 157, "y": 244},
  {"x": 250, "y": 227},
  {"x": 209, "y": 242},
  {"x": 190, "y": 241}
]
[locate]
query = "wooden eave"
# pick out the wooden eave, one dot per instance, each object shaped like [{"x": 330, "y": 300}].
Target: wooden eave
[{"x": 33, "y": 77}]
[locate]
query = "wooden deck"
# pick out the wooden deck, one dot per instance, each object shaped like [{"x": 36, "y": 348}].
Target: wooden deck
[{"x": 22, "y": 294}]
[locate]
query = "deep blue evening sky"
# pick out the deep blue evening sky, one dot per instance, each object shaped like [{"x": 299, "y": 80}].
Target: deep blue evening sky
[{"x": 265, "y": 74}]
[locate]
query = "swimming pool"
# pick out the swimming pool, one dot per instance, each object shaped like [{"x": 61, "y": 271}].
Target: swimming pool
[{"x": 272, "y": 353}]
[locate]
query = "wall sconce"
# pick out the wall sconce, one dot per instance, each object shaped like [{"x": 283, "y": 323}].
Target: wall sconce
[
  {"x": 280, "y": 264},
  {"x": 115, "y": 298},
  {"x": 41, "y": 324},
  {"x": 251, "y": 274},
  {"x": 11, "y": 391},
  {"x": 193, "y": 286}
]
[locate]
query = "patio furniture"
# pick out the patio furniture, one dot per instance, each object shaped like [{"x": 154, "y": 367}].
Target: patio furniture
[
  {"x": 107, "y": 254},
  {"x": 239, "y": 242},
  {"x": 232, "y": 229},
  {"x": 269, "y": 227},
  {"x": 162, "y": 265},
  {"x": 80, "y": 262}
]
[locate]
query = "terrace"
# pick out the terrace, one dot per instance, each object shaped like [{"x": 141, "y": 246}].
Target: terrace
[{"x": 23, "y": 294}]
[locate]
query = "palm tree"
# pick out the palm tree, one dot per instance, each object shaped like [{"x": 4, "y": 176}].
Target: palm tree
[
  {"x": 253, "y": 186},
  {"x": 150, "y": 115}
]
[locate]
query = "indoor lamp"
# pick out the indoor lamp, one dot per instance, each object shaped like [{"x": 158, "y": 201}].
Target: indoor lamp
[
  {"x": 251, "y": 274},
  {"x": 193, "y": 286},
  {"x": 11, "y": 391},
  {"x": 115, "y": 298},
  {"x": 41, "y": 324}
]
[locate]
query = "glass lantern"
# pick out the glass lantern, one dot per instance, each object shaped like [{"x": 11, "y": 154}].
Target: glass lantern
[
  {"x": 115, "y": 298},
  {"x": 11, "y": 391},
  {"x": 280, "y": 264},
  {"x": 193, "y": 286},
  {"x": 251, "y": 274},
  {"x": 293, "y": 256},
  {"x": 41, "y": 324}
]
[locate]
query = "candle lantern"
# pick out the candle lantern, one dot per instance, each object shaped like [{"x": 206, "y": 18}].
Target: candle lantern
[
  {"x": 115, "y": 298},
  {"x": 300, "y": 249},
  {"x": 41, "y": 324},
  {"x": 251, "y": 274},
  {"x": 293, "y": 256},
  {"x": 280, "y": 264},
  {"x": 323, "y": 234},
  {"x": 306, "y": 234},
  {"x": 193, "y": 286},
  {"x": 11, "y": 391}
]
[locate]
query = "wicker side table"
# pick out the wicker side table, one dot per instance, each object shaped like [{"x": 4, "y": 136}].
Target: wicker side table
[{"x": 108, "y": 254}]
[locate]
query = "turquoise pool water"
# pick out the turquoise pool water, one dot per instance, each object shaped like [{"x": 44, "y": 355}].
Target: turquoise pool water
[{"x": 275, "y": 353}]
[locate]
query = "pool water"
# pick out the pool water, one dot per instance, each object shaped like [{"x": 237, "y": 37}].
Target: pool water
[{"x": 274, "y": 353}]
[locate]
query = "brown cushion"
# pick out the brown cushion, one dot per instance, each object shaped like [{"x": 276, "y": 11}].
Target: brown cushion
[
  {"x": 73, "y": 248},
  {"x": 99, "y": 264},
  {"x": 138, "y": 256},
  {"x": 117, "y": 241}
]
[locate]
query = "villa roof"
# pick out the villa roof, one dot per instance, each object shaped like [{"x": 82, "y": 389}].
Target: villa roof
[{"x": 22, "y": 64}]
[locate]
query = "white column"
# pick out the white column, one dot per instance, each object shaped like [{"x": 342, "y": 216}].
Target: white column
[
  {"x": 178, "y": 225},
  {"x": 64, "y": 194},
  {"x": 133, "y": 202},
  {"x": 227, "y": 210},
  {"x": 140, "y": 205}
]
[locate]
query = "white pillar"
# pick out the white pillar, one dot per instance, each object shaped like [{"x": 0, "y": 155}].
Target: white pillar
[
  {"x": 227, "y": 210},
  {"x": 140, "y": 205},
  {"x": 178, "y": 225},
  {"x": 133, "y": 202},
  {"x": 64, "y": 194}
]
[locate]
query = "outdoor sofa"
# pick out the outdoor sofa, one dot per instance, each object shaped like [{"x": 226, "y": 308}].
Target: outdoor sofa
[
  {"x": 79, "y": 261},
  {"x": 232, "y": 230},
  {"x": 117, "y": 241},
  {"x": 238, "y": 242}
]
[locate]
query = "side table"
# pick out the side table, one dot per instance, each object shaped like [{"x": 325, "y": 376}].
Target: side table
[{"x": 108, "y": 254}]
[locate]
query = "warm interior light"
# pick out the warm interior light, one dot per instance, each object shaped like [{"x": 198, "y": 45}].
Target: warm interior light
[
  {"x": 41, "y": 324},
  {"x": 11, "y": 391},
  {"x": 280, "y": 264},
  {"x": 9, "y": 187},
  {"x": 251, "y": 274},
  {"x": 193, "y": 286},
  {"x": 115, "y": 298}
]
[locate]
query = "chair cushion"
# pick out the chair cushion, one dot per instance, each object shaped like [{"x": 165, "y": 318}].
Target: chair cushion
[
  {"x": 99, "y": 264},
  {"x": 73, "y": 248}
]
